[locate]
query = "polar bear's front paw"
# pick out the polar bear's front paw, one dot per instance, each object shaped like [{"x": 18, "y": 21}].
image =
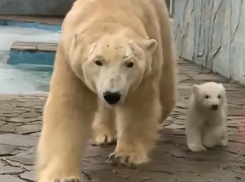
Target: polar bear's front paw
[
  {"x": 68, "y": 179},
  {"x": 127, "y": 158},
  {"x": 104, "y": 134},
  {"x": 72, "y": 179},
  {"x": 196, "y": 148},
  {"x": 105, "y": 139}
]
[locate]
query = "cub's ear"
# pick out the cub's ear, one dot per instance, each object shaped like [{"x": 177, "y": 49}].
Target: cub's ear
[
  {"x": 222, "y": 88},
  {"x": 221, "y": 85},
  {"x": 151, "y": 45},
  {"x": 195, "y": 89}
]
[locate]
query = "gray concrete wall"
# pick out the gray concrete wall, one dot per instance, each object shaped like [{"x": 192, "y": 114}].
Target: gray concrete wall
[
  {"x": 212, "y": 33},
  {"x": 35, "y": 7}
]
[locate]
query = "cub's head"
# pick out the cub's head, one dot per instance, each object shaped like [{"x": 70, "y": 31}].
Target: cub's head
[
  {"x": 113, "y": 65},
  {"x": 209, "y": 95}
]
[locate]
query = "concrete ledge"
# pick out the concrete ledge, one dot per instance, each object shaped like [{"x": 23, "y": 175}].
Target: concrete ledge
[
  {"x": 21, "y": 57},
  {"x": 32, "y": 53}
]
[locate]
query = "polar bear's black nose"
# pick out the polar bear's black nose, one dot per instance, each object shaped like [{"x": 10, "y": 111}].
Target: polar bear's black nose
[
  {"x": 214, "y": 107},
  {"x": 112, "y": 97}
]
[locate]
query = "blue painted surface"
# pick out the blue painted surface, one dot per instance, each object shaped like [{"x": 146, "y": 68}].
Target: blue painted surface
[
  {"x": 36, "y": 58},
  {"x": 30, "y": 25}
]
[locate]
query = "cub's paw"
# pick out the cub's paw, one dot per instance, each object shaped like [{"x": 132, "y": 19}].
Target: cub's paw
[
  {"x": 196, "y": 148},
  {"x": 224, "y": 142},
  {"x": 127, "y": 159},
  {"x": 69, "y": 179}
]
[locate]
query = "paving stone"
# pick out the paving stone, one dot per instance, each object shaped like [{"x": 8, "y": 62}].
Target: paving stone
[
  {"x": 8, "y": 178},
  {"x": 29, "y": 176},
  {"x": 28, "y": 168},
  {"x": 2, "y": 164},
  {"x": 35, "y": 134},
  {"x": 17, "y": 140},
  {"x": 6, "y": 149},
  {"x": 2, "y": 123},
  {"x": 28, "y": 128},
  {"x": 23, "y": 159},
  {"x": 12, "y": 163},
  {"x": 8, "y": 128},
  {"x": 10, "y": 170},
  {"x": 24, "y": 120}
]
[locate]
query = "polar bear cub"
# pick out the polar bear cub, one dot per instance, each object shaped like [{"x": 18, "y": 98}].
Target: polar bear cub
[{"x": 207, "y": 115}]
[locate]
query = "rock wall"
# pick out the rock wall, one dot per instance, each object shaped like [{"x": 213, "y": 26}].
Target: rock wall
[
  {"x": 35, "y": 7},
  {"x": 211, "y": 33}
]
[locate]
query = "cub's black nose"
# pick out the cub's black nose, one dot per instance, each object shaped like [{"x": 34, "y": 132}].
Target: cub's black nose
[
  {"x": 112, "y": 97},
  {"x": 214, "y": 107}
]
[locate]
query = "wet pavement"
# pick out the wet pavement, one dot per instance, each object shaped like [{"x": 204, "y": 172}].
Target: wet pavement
[{"x": 20, "y": 123}]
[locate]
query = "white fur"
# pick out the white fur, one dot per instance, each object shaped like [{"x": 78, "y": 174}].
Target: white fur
[
  {"x": 114, "y": 75},
  {"x": 206, "y": 128},
  {"x": 99, "y": 40}
]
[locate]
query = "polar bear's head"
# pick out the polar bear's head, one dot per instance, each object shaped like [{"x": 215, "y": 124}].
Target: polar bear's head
[
  {"x": 209, "y": 95},
  {"x": 114, "y": 65}
]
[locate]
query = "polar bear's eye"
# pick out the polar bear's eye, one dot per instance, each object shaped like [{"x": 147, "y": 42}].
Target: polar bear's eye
[
  {"x": 98, "y": 63},
  {"x": 206, "y": 96},
  {"x": 129, "y": 64},
  {"x": 219, "y": 96}
]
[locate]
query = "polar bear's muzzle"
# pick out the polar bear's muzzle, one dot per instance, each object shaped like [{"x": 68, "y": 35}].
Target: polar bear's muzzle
[
  {"x": 113, "y": 91},
  {"x": 112, "y": 97}
]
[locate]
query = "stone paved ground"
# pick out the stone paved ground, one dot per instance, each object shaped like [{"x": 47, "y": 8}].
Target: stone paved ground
[{"x": 20, "y": 122}]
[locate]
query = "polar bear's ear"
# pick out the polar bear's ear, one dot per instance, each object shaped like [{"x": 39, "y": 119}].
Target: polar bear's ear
[
  {"x": 151, "y": 45},
  {"x": 195, "y": 89},
  {"x": 133, "y": 46},
  {"x": 78, "y": 37},
  {"x": 77, "y": 40}
]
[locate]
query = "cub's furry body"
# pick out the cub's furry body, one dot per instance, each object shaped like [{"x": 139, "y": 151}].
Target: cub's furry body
[{"x": 207, "y": 117}]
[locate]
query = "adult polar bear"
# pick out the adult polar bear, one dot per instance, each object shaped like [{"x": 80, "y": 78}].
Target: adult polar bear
[{"x": 112, "y": 50}]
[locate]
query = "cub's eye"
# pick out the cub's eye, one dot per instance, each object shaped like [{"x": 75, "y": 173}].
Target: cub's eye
[
  {"x": 219, "y": 96},
  {"x": 129, "y": 64},
  {"x": 206, "y": 96},
  {"x": 98, "y": 63}
]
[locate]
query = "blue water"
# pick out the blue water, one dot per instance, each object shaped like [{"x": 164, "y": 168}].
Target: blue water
[{"x": 23, "y": 78}]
